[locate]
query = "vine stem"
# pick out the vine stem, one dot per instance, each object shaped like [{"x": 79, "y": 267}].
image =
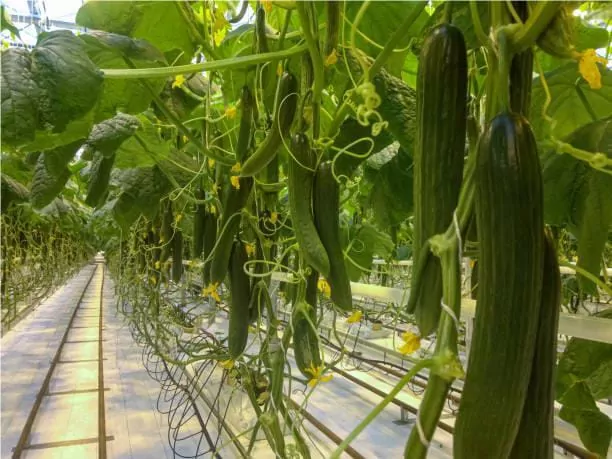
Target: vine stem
[
  {"x": 221, "y": 64},
  {"x": 524, "y": 36},
  {"x": 381, "y": 406}
]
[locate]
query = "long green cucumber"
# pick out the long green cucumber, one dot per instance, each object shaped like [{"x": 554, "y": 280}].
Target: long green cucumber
[
  {"x": 284, "y": 112},
  {"x": 509, "y": 213},
  {"x": 535, "y": 437},
  {"x": 300, "y": 177},
  {"x": 177, "y": 255},
  {"x": 210, "y": 237},
  {"x": 305, "y": 338},
  {"x": 246, "y": 122},
  {"x": 326, "y": 209},
  {"x": 240, "y": 291},
  {"x": 438, "y": 156},
  {"x": 521, "y": 71},
  {"x": 199, "y": 222},
  {"x": 230, "y": 223}
]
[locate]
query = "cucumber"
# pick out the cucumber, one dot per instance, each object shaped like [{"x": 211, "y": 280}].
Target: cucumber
[
  {"x": 509, "y": 214},
  {"x": 199, "y": 222},
  {"x": 230, "y": 223},
  {"x": 246, "y": 121},
  {"x": 300, "y": 176},
  {"x": 332, "y": 8},
  {"x": 535, "y": 437},
  {"x": 210, "y": 237},
  {"x": 240, "y": 291},
  {"x": 177, "y": 256},
  {"x": 326, "y": 207},
  {"x": 438, "y": 157},
  {"x": 305, "y": 338},
  {"x": 284, "y": 112},
  {"x": 521, "y": 71}
]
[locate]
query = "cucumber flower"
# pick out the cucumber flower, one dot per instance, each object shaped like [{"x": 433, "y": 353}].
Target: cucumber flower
[
  {"x": 412, "y": 343},
  {"x": 587, "y": 64},
  {"x": 317, "y": 375},
  {"x": 235, "y": 181},
  {"x": 354, "y": 317},
  {"x": 324, "y": 287},
  {"x": 211, "y": 291}
]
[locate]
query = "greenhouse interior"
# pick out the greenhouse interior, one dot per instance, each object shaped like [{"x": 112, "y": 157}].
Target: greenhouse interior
[{"x": 260, "y": 229}]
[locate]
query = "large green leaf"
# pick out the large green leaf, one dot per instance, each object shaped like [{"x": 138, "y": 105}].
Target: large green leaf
[
  {"x": 584, "y": 375},
  {"x": 110, "y": 51},
  {"x": 379, "y": 23},
  {"x": 579, "y": 196},
  {"x": 145, "y": 148},
  {"x": 51, "y": 174},
  {"x": 12, "y": 192},
  {"x": 106, "y": 137},
  {"x": 48, "y": 93},
  {"x": 160, "y": 23},
  {"x": 573, "y": 102}
]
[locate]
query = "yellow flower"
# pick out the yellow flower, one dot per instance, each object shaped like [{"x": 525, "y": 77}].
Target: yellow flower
[
  {"x": 354, "y": 317},
  {"x": 185, "y": 139},
  {"x": 250, "y": 249},
  {"x": 211, "y": 163},
  {"x": 331, "y": 59},
  {"x": 211, "y": 291},
  {"x": 178, "y": 218},
  {"x": 235, "y": 181},
  {"x": 157, "y": 264},
  {"x": 178, "y": 81},
  {"x": 588, "y": 68},
  {"x": 317, "y": 375},
  {"x": 267, "y": 5},
  {"x": 213, "y": 209},
  {"x": 227, "y": 364},
  {"x": 236, "y": 168},
  {"x": 274, "y": 217},
  {"x": 412, "y": 343},
  {"x": 230, "y": 112},
  {"x": 323, "y": 287}
]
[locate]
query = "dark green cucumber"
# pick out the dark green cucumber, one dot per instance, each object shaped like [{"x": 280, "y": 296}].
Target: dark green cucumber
[
  {"x": 177, "y": 256},
  {"x": 246, "y": 122},
  {"x": 326, "y": 207},
  {"x": 305, "y": 338},
  {"x": 240, "y": 291},
  {"x": 210, "y": 237},
  {"x": 300, "y": 177},
  {"x": 284, "y": 112},
  {"x": 535, "y": 437},
  {"x": 230, "y": 223},
  {"x": 438, "y": 156},
  {"x": 509, "y": 214},
  {"x": 99, "y": 177},
  {"x": 332, "y": 8},
  {"x": 199, "y": 222},
  {"x": 521, "y": 71}
]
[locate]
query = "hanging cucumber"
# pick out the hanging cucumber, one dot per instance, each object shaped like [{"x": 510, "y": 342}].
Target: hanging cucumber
[
  {"x": 199, "y": 222},
  {"x": 509, "y": 214},
  {"x": 535, "y": 437},
  {"x": 240, "y": 291},
  {"x": 230, "y": 223},
  {"x": 246, "y": 121},
  {"x": 284, "y": 112},
  {"x": 177, "y": 256},
  {"x": 300, "y": 175},
  {"x": 210, "y": 237},
  {"x": 97, "y": 187},
  {"x": 305, "y": 338},
  {"x": 326, "y": 207},
  {"x": 438, "y": 157}
]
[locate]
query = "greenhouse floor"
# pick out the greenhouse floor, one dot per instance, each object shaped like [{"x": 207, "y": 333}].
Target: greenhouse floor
[{"x": 63, "y": 419}]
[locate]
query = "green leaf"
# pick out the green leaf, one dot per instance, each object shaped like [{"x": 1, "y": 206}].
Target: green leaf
[
  {"x": 6, "y": 23},
  {"x": 50, "y": 176},
  {"x": 160, "y": 23},
  {"x": 600, "y": 381},
  {"x": 110, "y": 51},
  {"x": 145, "y": 148},
  {"x": 106, "y": 137},
  {"x": 574, "y": 104},
  {"x": 379, "y": 23},
  {"x": 70, "y": 83},
  {"x": 99, "y": 177},
  {"x": 367, "y": 242},
  {"x": 594, "y": 428},
  {"x": 12, "y": 192},
  {"x": 19, "y": 98},
  {"x": 390, "y": 197}
]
